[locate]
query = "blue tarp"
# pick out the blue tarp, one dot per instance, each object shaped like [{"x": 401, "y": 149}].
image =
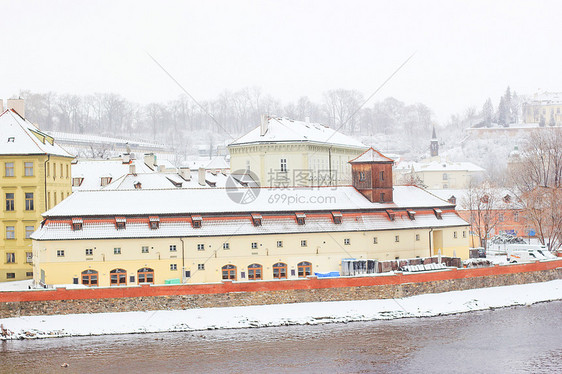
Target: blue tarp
[{"x": 327, "y": 275}]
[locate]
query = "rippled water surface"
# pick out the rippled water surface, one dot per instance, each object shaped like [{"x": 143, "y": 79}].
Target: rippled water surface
[{"x": 514, "y": 340}]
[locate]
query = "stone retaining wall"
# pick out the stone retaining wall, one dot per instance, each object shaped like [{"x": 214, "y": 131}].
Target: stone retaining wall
[{"x": 212, "y": 300}]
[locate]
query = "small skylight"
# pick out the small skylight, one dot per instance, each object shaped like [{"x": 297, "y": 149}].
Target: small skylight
[{"x": 11, "y": 139}]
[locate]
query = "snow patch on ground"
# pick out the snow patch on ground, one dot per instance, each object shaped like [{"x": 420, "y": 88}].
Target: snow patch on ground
[{"x": 33, "y": 327}]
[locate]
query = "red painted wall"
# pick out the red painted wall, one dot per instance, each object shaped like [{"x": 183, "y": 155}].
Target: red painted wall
[{"x": 309, "y": 283}]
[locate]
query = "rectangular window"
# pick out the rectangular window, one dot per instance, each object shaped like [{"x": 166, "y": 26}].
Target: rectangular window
[
  {"x": 28, "y": 231},
  {"x": 29, "y": 201},
  {"x": 11, "y": 258},
  {"x": 375, "y": 240},
  {"x": 464, "y": 234},
  {"x": 501, "y": 217},
  {"x": 279, "y": 243},
  {"x": 200, "y": 247},
  {"x": 10, "y": 275},
  {"x": 9, "y": 169},
  {"x": 28, "y": 169},
  {"x": 516, "y": 216},
  {"x": 89, "y": 251},
  {"x": 117, "y": 251},
  {"x": 382, "y": 176},
  {"x": 29, "y": 257},
  {"x": 10, "y": 232},
  {"x": 397, "y": 238},
  {"x": 173, "y": 267},
  {"x": 303, "y": 243},
  {"x": 200, "y": 266},
  {"x": 455, "y": 234},
  {"x": 254, "y": 245},
  {"x": 28, "y": 273},
  {"x": 54, "y": 170},
  {"x": 417, "y": 237},
  {"x": 361, "y": 176},
  {"x": 10, "y": 201},
  {"x": 225, "y": 245},
  {"x": 173, "y": 248},
  {"x": 382, "y": 197},
  {"x": 346, "y": 241},
  {"x": 60, "y": 252},
  {"x": 144, "y": 249},
  {"x": 283, "y": 164}
]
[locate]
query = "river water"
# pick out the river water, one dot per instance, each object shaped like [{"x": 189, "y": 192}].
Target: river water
[{"x": 514, "y": 340}]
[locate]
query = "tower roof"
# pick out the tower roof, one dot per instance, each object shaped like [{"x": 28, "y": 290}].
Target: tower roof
[
  {"x": 371, "y": 155},
  {"x": 434, "y": 136}
]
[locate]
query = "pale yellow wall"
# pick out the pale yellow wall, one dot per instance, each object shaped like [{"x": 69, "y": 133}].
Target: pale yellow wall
[
  {"x": 532, "y": 113},
  {"x": 324, "y": 250},
  {"x": 265, "y": 161},
  {"x": 19, "y": 184}
]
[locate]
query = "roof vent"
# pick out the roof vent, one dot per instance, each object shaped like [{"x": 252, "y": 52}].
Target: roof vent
[
  {"x": 337, "y": 217},
  {"x": 256, "y": 219},
  {"x": 301, "y": 217},
  {"x": 196, "y": 221},
  {"x": 411, "y": 215},
  {"x": 264, "y": 124},
  {"x": 391, "y": 214},
  {"x": 438, "y": 213}
]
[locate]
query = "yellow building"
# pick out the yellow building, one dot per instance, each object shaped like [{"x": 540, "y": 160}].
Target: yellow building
[
  {"x": 35, "y": 176},
  {"x": 283, "y": 152},
  {"x": 207, "y": 235},
  {"x": 544, "y": 107}
]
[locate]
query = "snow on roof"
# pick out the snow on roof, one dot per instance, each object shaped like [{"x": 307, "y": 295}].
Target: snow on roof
[
  {"x": 287, "y": 130},
  {"x": 371, "y": 155},
  {"x": 93, "y": 170},
  {"x": 164, "y": 181},
  {"x": 217, "y": 200},
  {"x": 217, "y": 162},
  {"x": 439, "y": 166},
  {"x": 21, "y": 137},
  {"x": 88, "y": 139},
  {"x": 56, "y": 230},
  {"x": 546, "y": 98},
  {"x": 505, "y": 198}
]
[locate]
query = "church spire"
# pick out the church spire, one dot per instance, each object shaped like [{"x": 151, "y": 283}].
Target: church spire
[{"x": 434, "y": 145}]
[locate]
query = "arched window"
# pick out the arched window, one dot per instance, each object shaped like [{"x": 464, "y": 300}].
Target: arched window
[
  {"x": 145, "y": 275},
  {"x": 117, "y": 277},
  {"x": 279, "y": 271},
  {"x": 90, "y": 277},
  {"x": 304, "y": 269},
  {"x": 229, "y": 272},
  {"x": 255, "y": 272}
]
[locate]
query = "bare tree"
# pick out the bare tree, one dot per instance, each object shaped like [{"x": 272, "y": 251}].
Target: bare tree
[
  {"x": 484, "y": 204},
  {"x": 537, "y": 182}
]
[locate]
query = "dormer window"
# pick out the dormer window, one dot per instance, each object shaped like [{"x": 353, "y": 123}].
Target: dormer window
[
  {"x": 154, "y": 222},
  {"x": 105, "y": 181},
  {"x": 411, "y": 215},
  {"x": 362, "y": 176},
  {"x": 120, "y": 223},
  {"x": 438, "y": 213},
  {"x": 506, "y": 198},
  {"x": 256, "y": 219},
  {"x": 11, "y": 139},
  {"x": 337, "y": 217},
  {"x": 300, "y": 218},
  {"x": 391, "y": 214},
  {"x": 77, "y": 224},
  {"x": 196, "y": 221},
  {"x": 138, "y": 185},
  {"x": 452, "y": 199},
  {"x": 76, "y": 182}
]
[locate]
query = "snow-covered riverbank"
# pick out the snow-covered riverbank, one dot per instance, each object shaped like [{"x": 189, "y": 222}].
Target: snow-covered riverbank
[{"x": 277, "y": 315}]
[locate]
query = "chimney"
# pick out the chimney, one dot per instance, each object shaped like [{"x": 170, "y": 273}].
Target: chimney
[
  {"x": 150, "y": 160},
  {"x": 201, "y": 177},
  {"x": 132, "y": 169},
  {"x": 126, "y": 158},
  {"x": 1, "y": 105},
  {"x": 18, "y": 105},
  {"x": 263, "y": 125},
  {"x": 161, "y": 168},
  {"x": 185, "y": 173}
]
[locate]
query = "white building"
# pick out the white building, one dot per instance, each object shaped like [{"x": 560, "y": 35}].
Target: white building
[{"x": 284, "y": 152}]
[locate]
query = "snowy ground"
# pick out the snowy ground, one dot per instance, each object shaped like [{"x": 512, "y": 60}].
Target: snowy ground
[{"x": 278, "y": 315}]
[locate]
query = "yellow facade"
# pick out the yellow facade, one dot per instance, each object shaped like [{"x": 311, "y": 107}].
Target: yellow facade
[
  {"x": 30, "y": 185},
  {"x": 63, "y": 261},
  {"x": 535, "y": 112}
]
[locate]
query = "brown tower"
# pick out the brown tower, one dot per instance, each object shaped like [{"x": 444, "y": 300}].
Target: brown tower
[{"x": 372, "y": 176}]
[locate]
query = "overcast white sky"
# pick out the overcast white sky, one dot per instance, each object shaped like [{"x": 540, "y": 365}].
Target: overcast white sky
[{"x": 466, "y": 51}]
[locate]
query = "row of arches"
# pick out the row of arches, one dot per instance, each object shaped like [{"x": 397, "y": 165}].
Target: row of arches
[
  {"x": 255, "y": 271},
  {"x": 117, "y": 277}
]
